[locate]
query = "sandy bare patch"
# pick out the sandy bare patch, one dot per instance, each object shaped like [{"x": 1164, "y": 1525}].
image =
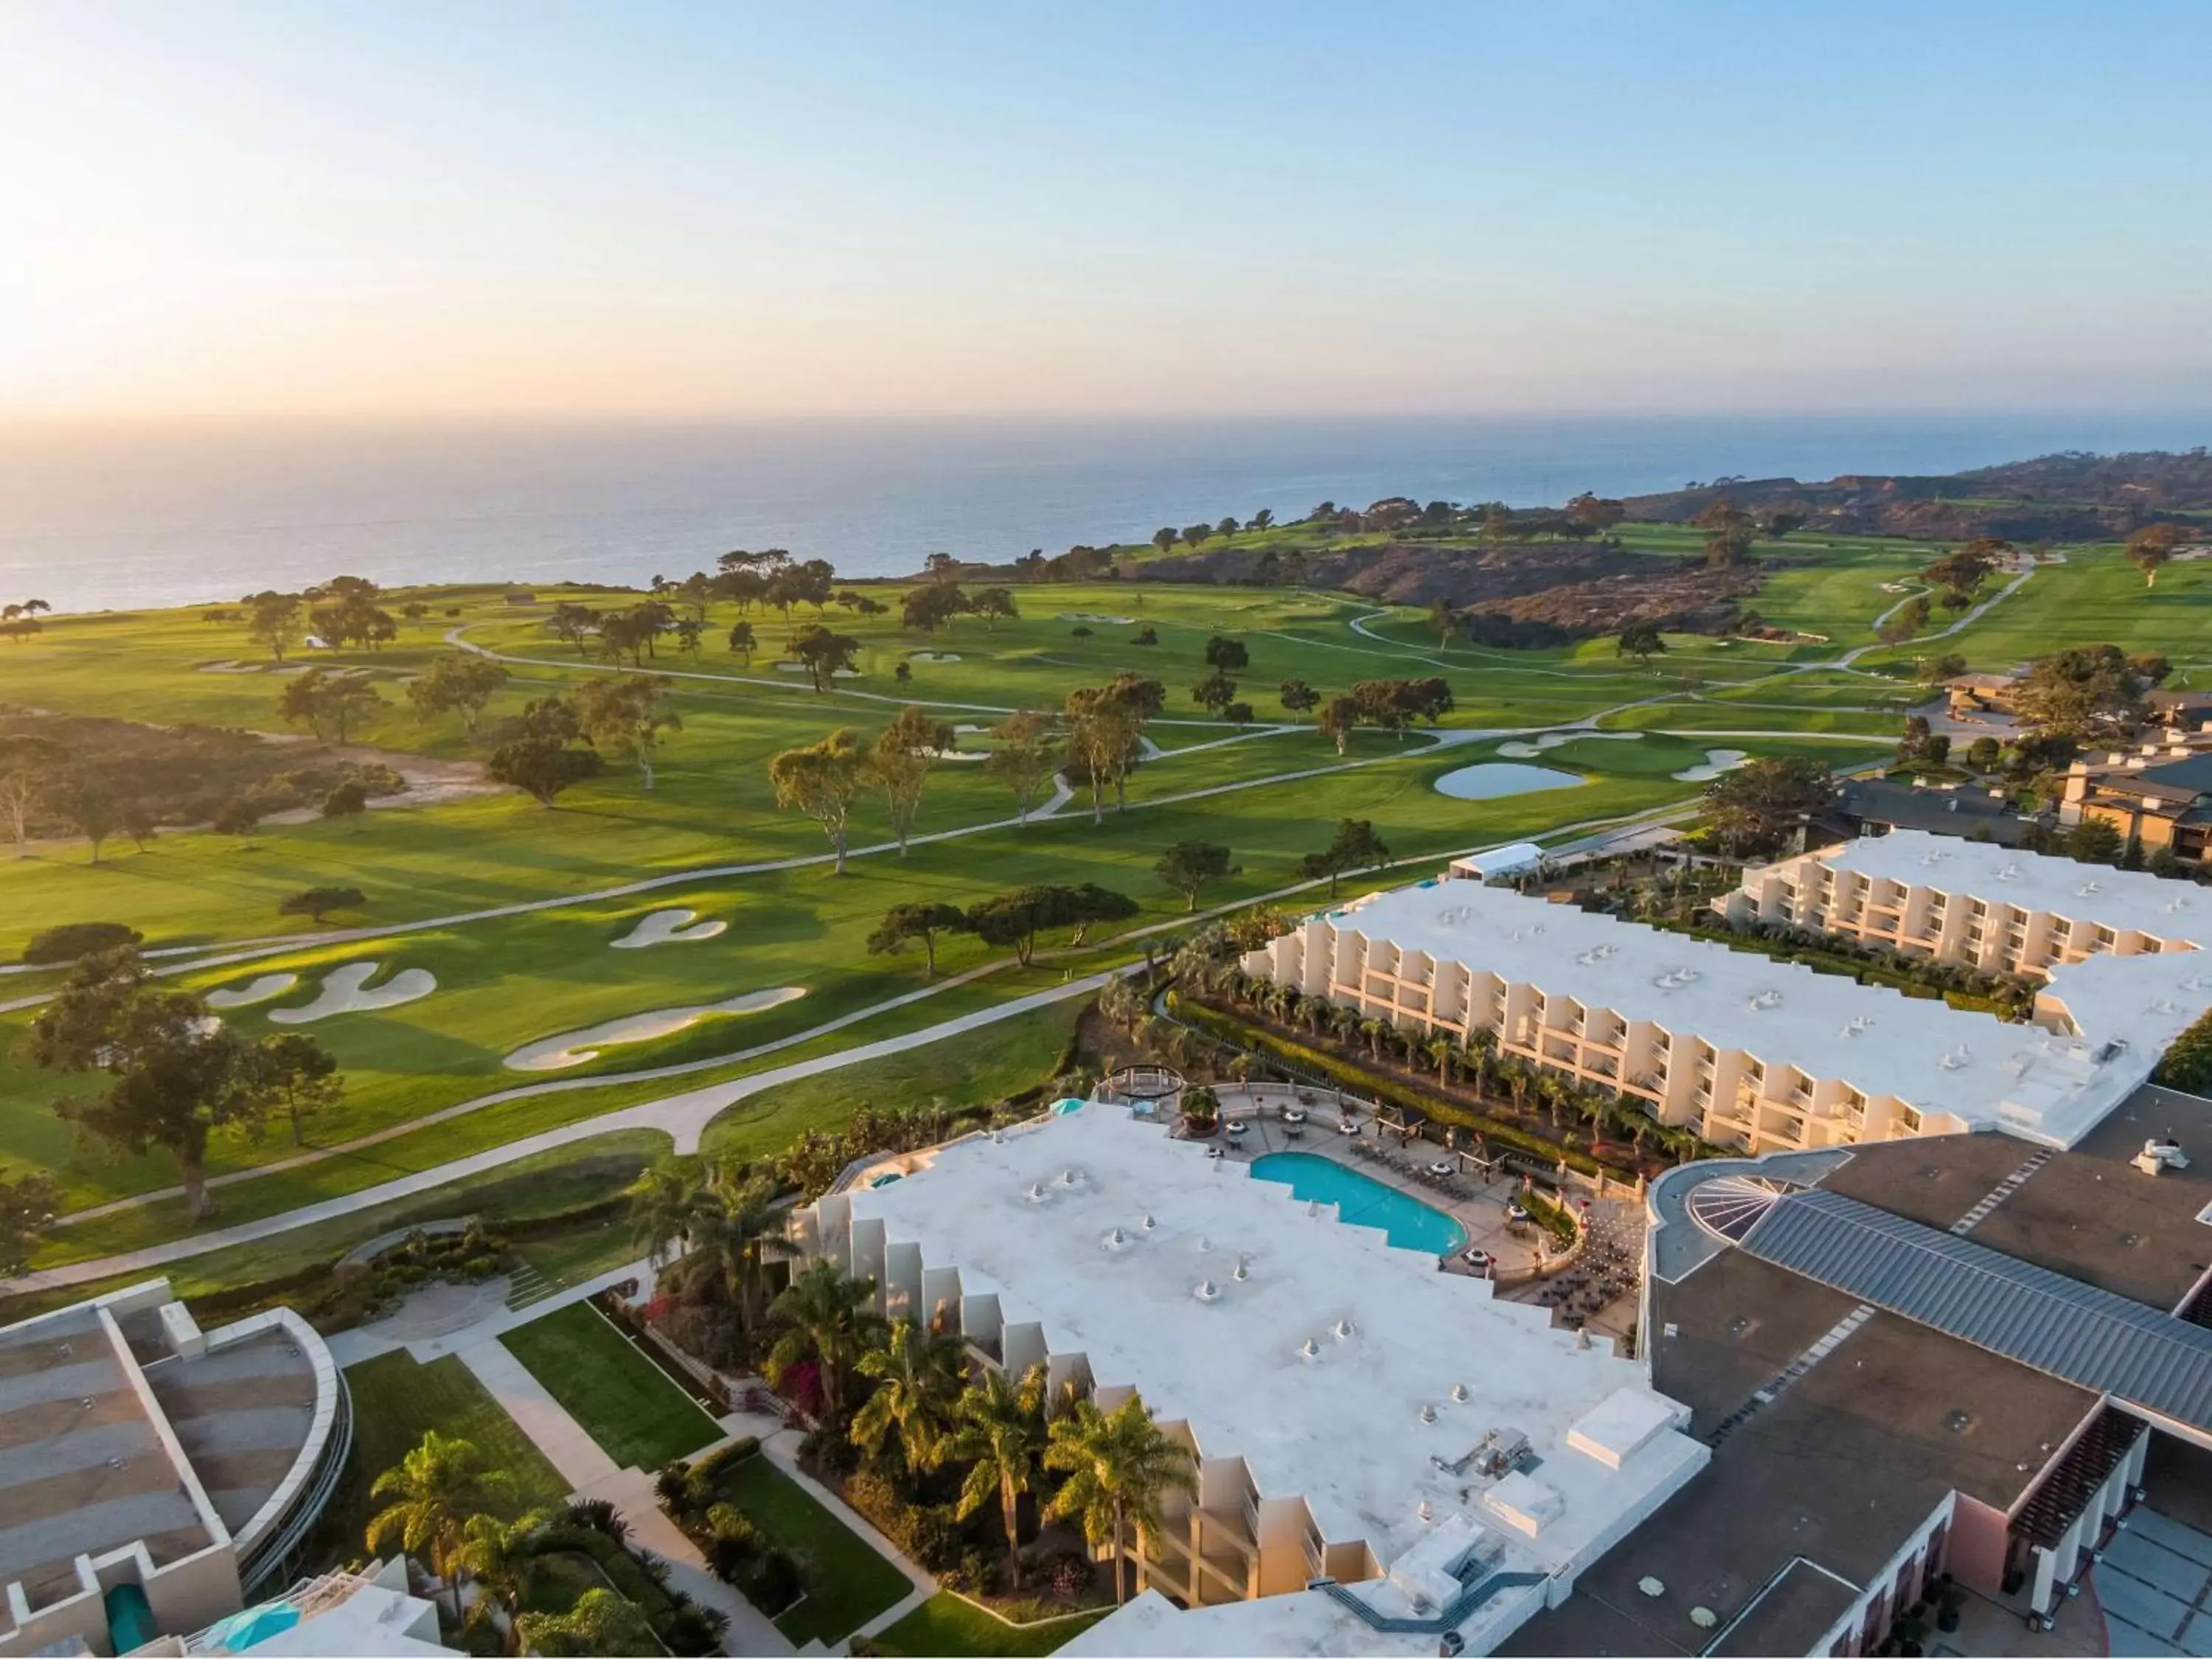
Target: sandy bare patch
[
  {"x": 231, "y": 665},
  {"x": 345, "y": 992},
  {"x": 1716, "y": 762},
  {"x": 933, "y": 656},
  {"x": 801, "y": 668},
  {"x": 1090, "y": 616},
  {"x": 667, "y": 927},
  {"x": 253, "y": 991},
  {"x": 553, "y": 1054}
]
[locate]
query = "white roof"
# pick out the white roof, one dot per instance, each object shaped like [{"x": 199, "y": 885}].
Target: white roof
[
  {"x": 1973, "y": 1066},
  {"x": 1393, "y": 1340},
  {"x": 2124, "y": 900},
  {"x": 1507, "y": 860}
]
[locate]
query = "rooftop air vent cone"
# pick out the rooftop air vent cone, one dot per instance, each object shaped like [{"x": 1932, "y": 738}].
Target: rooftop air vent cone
[
  {"x": 1150, "y": 1224},
  {"x": 1428, "y": 1412},
  {"x": 1037, "y": 1192},
  {"x": 1309, "y": 1349},
  {"x": 1243, "y": 1268},
  {"x": 1207, "y": 1291},
  {"x": 1425, "y": 1510},
  {"x": 1651, "y": 1587},
  {"x": 1343, "y": 1330},
  {"x": 1459, "y": 1393}
]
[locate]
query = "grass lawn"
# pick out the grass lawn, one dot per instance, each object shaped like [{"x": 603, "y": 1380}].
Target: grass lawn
[
  {"x": 946, "y": 1625},
  {"x": 848, "y": 1582},
  {"x": 395, "y": 1401},
  {"x": 623, "y": 1400}
]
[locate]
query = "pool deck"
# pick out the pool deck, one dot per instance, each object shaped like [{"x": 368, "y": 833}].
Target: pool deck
[{"x": 1482, "y": 1213}]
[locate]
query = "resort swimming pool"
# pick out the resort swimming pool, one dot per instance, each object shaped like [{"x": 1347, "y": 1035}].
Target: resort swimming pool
[{"x": 1405, "y": 1222}]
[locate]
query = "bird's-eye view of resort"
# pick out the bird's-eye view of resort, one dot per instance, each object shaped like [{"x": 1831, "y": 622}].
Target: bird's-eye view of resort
[{"x": 736, "y": 961}]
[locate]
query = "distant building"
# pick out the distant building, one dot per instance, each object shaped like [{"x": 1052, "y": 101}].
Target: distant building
[
  {"x": 1970, "y": 694},
  {"x": 1387, "y": 1458},
  {"x": 2160, "y": 795},
  {"x": 2181, "y": 711},
  {"x": 1988, "y": 907},
  {"x": 1500, "y": 863},
  {"x": 152, "y": 1476},
  {"x": 1744, "y": 1049},
  {"x": 1923, "y": 1358},
  {"x": 1874, "y": 806}
]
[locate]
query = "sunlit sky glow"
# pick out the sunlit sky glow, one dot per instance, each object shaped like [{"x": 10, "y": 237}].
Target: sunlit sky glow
[{"x": 240, "y": 209}]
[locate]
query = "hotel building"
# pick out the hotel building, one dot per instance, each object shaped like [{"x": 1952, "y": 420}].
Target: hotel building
[
  {"x": 1388, "y": 1459},
  {"x": 1748, "y": 1051},
  {"x": 1991, "y": 907}
]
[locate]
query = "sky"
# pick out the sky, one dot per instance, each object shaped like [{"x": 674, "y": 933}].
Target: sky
[{"x": 218, "y": 210}]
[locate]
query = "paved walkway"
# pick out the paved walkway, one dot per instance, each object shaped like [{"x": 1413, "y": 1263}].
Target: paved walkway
[
  {"x": 564, "y": 1440},
  {"x": 782, "y": 1448},
  {"x": 630, "y": 1490}
]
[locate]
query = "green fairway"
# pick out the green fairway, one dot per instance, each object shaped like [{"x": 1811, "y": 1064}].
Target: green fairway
[
  {"x": 947, "y": 1625},
  {"x": 847, "y": 1583},
  {"x": 545, "y": 973},
  {"x": 395, "y": 1402},
  {"x": 623, "y": 1400}
]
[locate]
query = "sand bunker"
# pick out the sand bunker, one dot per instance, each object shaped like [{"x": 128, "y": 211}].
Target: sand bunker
[
  {"x": 343, "y": 993},
  {"x": 933, "y": 656},
  {"x": 1716, "y": 762},
  {"x": 1553, "y": 739},
  {"x": 231, "y": 665},
  {"x": 956, "y": 754},
  {"x": 801, "y": 668},
  {"x": 259, "y": 990},
  {"x": 576, "y": 1048},
  {"x": 1091, "y": 616},
  {"x": 968, "y": 731},
  {"x": 667, "y": 927}
]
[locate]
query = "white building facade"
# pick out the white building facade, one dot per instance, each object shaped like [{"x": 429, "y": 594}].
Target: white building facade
[
  {"x": 1764, "y": 1054},
  {"x": 1446, "y": 1463},
  {"x": 1983, "y": 906}
]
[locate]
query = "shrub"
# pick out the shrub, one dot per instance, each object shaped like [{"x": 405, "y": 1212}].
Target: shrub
[
  {"x": 73, "y": 940},
  {"x": 673, "y": 1486},
  {"x": 598, "y": 1515},
  {"x": 775, "y": 1581},
  {"x": 691, "y": 1629},
  {"x": 934, "y": 1537},
  {"x": 729, "y": 1559},
  {"x": 710, "y": 1466}
]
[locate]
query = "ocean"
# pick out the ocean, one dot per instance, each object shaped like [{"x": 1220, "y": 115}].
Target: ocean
[{"x": 135, "y": 518}]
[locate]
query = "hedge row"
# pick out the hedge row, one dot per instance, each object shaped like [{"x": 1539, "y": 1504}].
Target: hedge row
[{"x": 1233, "y": 1028}]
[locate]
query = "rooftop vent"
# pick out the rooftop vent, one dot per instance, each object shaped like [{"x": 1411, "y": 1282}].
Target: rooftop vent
[
  {"x": 1956, "y": 1058},
  {"x": 1243, "y": 1268},
  {"x": 1207, "y": 1291},
  {"x": 2010, "y": 872},
  {"x": 1958, "y": 1421},
  {"x": 1309, "y": 1349},
  {"x": 1459, "y": 1393},
  {"x": 1765, "y": 1000},
  {"x": 1149, "y": 1224},
  {"x": 1117, "y": 1240},
  {"x": 1343, "y": 1330},
  {"x": 1068, "y": 1177},
  {"x": 1037, "y": 1192},
  {"x": 1425, "y": 1510},
  {"x": 1704, "y": 1618},
  {"x": 2086, "y": 889},
  {"x": 1428, "y": 1412},
  {"x": 1651, "y": 1587}
]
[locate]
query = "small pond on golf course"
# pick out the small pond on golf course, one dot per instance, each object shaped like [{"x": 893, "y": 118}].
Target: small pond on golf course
[{"x": 1491, "y": 780}]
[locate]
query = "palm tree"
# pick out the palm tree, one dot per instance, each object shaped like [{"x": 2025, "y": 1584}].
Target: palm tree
[
  {"x": 1441, "y": 1048},
  {"x": 1000, "y": 1436},
  {"x": 1119, "y": 1467},
  {"x": 1372, "y": 1031},
  {"x": 1481, "y": 1058},
  {"x": 664, "y": 1205},
  {"x": 917, "y": 1375},
  {"x": 1517, "y": 1084},
  {"x": 1342, "y": 1021},
  {"x": 739, "y": 1223},
  {"x": 1552, "y": 1090},
  {"x": 432, "y": 1489},
  {"x": 497, "y": 1554},
  {"x": 827, "y": 1318}
]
